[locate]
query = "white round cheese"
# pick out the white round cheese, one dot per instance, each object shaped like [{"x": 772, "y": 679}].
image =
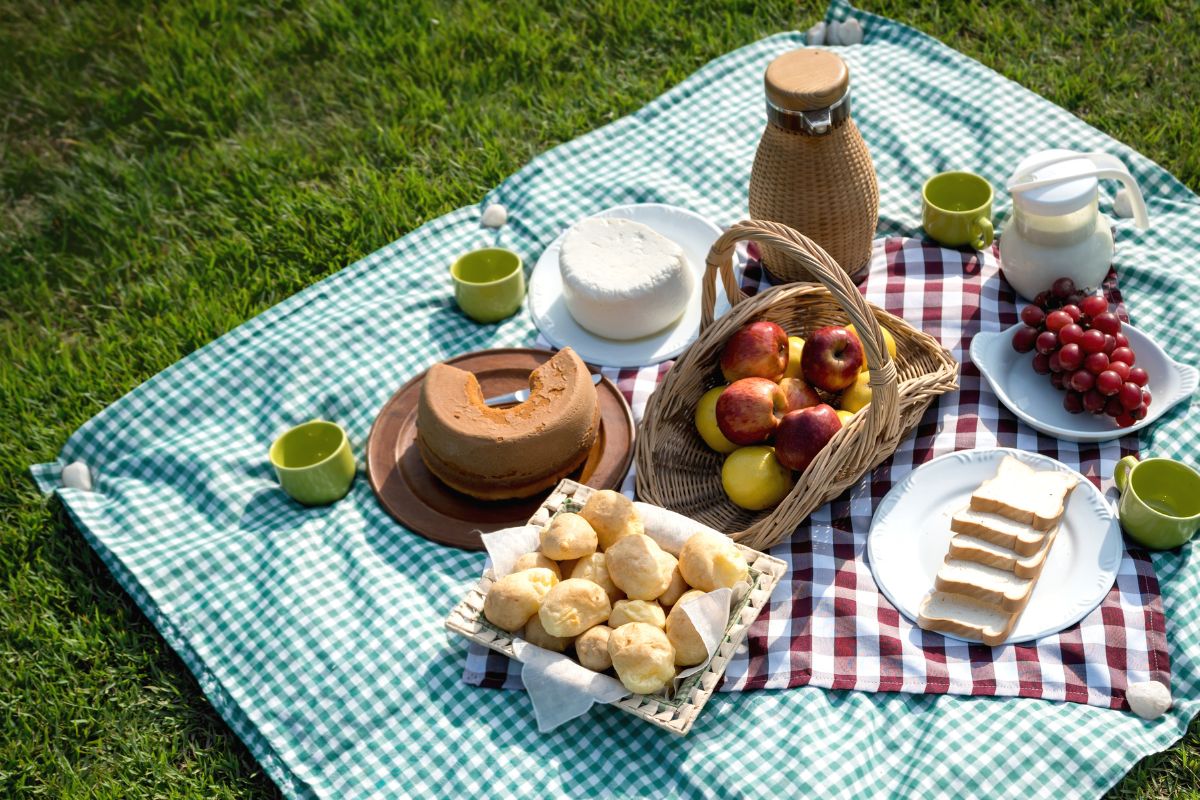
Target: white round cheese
[{"x": 622, "y": 279}]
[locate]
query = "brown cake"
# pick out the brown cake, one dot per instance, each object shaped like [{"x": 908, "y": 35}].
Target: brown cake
[{"x": 502, "y": 453}]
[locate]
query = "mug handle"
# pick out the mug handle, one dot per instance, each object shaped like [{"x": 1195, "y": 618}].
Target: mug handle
[
  {"x": 1122, "y": 471},
  {"x": 983, "y": 233}
]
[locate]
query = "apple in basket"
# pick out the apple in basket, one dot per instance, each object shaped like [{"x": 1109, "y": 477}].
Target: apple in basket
[
  {"x": 888, "y": 340},
  {"x": 749, "y": 409},
  {"x": 832, "y": 358},
  {"x": 757, "y": 350},
  {"x": 798, "y": 393},
  {"x": 801, "y": 435}
]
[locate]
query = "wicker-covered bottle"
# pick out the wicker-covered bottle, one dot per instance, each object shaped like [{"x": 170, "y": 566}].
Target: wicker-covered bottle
[{"x": 812, "y": 171}]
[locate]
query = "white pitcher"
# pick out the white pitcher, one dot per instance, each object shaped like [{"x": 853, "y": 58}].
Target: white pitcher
[{"x": 1056, "y": 230}]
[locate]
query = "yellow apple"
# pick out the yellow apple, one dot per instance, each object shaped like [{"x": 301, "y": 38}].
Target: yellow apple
[
  {"x": 845, "y": 416},
  {"x": 857, "y": 395},
  {"x": 706, "y": 422},
  {"x": 754, "y": 479},
  {"x": 887, "y": 340},
  {"x": 795, "y": 349}
]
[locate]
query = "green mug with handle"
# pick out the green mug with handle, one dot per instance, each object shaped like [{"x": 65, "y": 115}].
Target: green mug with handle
[
  {"x": 1160, "y": 501},
  {"x": 957, "y": 210},
  {"x": 314, "y": 462}
]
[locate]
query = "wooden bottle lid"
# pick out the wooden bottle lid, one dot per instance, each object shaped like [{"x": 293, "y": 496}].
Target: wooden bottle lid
[{"x": 806, "y": 80}]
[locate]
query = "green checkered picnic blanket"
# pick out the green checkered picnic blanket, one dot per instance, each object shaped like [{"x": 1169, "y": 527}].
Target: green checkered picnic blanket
[{"x": 317, "y": 634}]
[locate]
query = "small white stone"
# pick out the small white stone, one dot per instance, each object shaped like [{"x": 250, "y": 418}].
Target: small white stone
[
  {"x": 1122, "y": 205},
  {"x": 1149, "y": 699},
  {"x": 76, "y": 475},
  {"x": 816, "y": 34},
  {"x": 833, "y": 33},
  {"x": 495, "y": 215},
  {"x": 851, "y": 32}
]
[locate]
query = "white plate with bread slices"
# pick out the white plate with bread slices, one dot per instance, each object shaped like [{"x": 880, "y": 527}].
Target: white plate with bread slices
[
  {"x": 624, "y": 309},
  {"x": 995, "y": 545}
]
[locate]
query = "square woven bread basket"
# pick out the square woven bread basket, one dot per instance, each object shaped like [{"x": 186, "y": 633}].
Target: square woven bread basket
[
  {"x": 674, "y": 713},
  {"x": 676, "y": 470}
]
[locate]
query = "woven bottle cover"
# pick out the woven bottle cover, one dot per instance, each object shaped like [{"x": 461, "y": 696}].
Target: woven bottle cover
[
  {"x": 808, "y": 91},
  {"x": 812, "y": 171}
]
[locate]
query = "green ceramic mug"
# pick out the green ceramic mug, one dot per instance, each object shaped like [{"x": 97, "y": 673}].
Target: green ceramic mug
[
  {"x": 957, "y": 209},
  {"x": 314, "y": 462},
  {"x": 1160, "y": 501},
  {"x": 489, "y": 284}
]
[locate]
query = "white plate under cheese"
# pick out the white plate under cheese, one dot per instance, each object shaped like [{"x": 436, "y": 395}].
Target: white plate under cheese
[
  {"x": 547, "y": 302},
  {"x": 621, "y": 279}
]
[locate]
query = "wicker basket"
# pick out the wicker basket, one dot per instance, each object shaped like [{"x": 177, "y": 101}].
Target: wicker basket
[
  {"x": 676, "y": 470},
  {"x": 676, "y": 713}
]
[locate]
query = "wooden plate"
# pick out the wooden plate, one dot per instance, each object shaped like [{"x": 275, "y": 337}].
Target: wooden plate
[{"x": 414, "y": 497}]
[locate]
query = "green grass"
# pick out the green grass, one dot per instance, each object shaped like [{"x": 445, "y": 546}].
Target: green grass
[{"x": 167, "y": 172}]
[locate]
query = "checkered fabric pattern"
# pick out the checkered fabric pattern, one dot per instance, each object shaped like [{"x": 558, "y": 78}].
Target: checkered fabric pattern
[
  {"x": 831, "y": 627},
  {"x": 316, "y": 633}
]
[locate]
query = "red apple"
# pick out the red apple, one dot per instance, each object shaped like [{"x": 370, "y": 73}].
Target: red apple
[
  {"x": 757, "y": 350},
  {"x": 799, "y": 394},
  {"x": 801, "y": 435},
  {"x": 749, "y": 410},
  {"x": 832, "y": 358}
]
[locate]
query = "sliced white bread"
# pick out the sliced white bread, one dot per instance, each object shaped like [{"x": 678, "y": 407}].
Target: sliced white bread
[
  {"x": 1023, "y": 494},
  {"x": 965, "y": 617},
  {"x": 990, "y": 554},
  {"x": 987, "y": 609},
  {"x": 994, "y": 561},
  {"x": 985, "y": 584},
  {"x": 998, "y": 530}
]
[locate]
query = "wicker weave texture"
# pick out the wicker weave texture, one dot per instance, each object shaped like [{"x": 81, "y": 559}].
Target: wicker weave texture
[
  {"x": 822, "y": 186},
  {"x": 675, "y": 714},
  {"x": 676, "y": 470}
]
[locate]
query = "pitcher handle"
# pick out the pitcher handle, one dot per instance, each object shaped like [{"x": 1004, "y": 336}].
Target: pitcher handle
[{"x": 1107, "y": 166}]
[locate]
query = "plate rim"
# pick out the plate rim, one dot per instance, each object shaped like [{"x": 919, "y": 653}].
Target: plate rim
[
  {"x": 1189, "y": 377},
  {"x": 902, "y": 487},
  {"x": 629, "y": 363}
]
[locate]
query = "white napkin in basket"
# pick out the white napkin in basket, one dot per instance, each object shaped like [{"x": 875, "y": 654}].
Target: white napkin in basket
[
  {"x": 668, "y": 528},
  {"x": 558, "y": 686},
  {"x": 505, "y": 546}
]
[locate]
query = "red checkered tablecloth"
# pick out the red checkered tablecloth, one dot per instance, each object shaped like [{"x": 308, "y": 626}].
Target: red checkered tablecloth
[{"x": 828, "y": 625}]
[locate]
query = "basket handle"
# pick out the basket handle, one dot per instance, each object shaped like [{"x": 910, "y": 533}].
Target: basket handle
[{"x": 829, "y": 274}]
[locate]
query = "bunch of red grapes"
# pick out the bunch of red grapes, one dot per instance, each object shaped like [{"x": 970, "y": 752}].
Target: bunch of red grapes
[{"x": 1079, "y": 344}]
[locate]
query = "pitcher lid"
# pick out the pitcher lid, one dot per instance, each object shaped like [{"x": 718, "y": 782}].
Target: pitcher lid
[
  {"x": 1073, "y": 188},
  {"x": 806, "y": 80}
]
